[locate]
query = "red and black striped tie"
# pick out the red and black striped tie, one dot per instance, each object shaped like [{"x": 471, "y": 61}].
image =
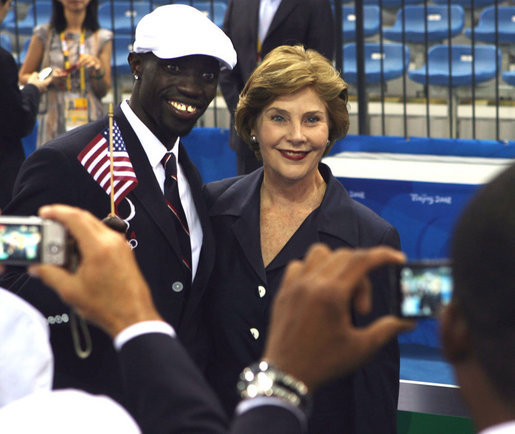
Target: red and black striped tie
[{"x": 174, "y": 204}]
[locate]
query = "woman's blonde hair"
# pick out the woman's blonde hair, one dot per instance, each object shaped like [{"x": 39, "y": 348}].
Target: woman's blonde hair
[{"x": 286, "y": 70}]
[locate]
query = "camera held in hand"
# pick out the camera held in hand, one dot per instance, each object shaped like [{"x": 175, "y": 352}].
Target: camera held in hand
[{"x": 32, "y": 240}]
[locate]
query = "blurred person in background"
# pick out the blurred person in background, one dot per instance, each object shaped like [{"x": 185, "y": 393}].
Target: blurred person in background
[
  {"x": 18, "y": 110},
  {"x": 256, "y": 28},
  {"x": 79, "y": 52}
]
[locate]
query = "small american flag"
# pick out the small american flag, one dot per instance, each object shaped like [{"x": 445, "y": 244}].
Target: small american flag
[{"x": 96, "y": 160}]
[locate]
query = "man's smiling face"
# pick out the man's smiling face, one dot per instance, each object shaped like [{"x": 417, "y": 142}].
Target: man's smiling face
[{"x": 172, "y": 94}]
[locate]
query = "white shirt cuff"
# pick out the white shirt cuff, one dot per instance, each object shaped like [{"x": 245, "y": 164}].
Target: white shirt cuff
[
  {"x": 142, "y": 328},
  {"x": 249, "y": 404}
]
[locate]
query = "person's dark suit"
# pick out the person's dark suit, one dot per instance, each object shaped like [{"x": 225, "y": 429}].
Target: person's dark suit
[
  {"x": 18, "y": 111},
  {"x": 53, "y": 174},
  {"x": 241, "y": 291},
  {"x": 306, "y": 22},
  {"x": 167, "y": 394}
]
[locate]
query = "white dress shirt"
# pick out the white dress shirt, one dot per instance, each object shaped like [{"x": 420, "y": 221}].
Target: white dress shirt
[
  {"x": 502, "y": 428},
  {"x": 267, "y": 10},
  {"x": 155, "y": 151}
]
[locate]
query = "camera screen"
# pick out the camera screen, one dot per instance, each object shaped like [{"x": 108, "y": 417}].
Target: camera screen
[
  {"x": 19, "y": 243},
  {"x": 424, "y": 289}
]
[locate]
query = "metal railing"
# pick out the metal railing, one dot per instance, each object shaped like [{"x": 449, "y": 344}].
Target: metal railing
[{"x": 406, "y": 105}]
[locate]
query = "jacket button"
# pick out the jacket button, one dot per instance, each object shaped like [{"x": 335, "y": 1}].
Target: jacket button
[
  {"x": 255, "y": 333},
  {"x": 177, "y": 286},
  {"x": 261, "y": 291}
]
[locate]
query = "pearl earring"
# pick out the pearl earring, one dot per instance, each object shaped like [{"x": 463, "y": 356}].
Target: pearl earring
[
  {"x": 253, "y": 140},
  {"x": 136, "y": 77}
]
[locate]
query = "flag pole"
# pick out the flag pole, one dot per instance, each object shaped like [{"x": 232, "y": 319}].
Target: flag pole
[
  {"x": 112, "y": 220},
  {"x": 112, "y": 213}
]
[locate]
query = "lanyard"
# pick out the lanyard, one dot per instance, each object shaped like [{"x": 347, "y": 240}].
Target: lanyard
[
  {"x": 67, "y": 65},
  {"x": 258, "y": 51}
]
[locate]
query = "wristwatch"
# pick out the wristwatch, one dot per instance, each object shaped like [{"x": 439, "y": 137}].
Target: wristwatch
[{"x": 263, "y": 379}]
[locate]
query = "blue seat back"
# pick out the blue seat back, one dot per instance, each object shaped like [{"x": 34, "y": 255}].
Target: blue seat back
[
  {"x": 9, "y": 18},
  {"x": 5, "y": 41},
  {"x": 126, "y": 15},
  {"x": 483, "y": 57},
  {"x": 509, "y": 77},
  {"x": 486, "y": 28},
  {"x": 122, "y": 46},
  {"x": 384, "y": 64},
  {"x": 462, "y": 57},
  {"x": 26, "y": 26},
  {"x": 435, "y": 19},
  {"x": 370, "y": 24},
  {"x": 215, "y": 11},
  {"x": 467, "y": 3},
  {"x": 392, "y": 3}
]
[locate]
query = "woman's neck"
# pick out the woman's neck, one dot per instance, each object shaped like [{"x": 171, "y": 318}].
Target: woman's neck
[
  {"x": 74, "y": 20},
  {"x": 308, "y": 191}
]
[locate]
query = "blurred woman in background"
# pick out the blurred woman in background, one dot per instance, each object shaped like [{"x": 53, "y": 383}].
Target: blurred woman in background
[{"x": 79, "y": 52}]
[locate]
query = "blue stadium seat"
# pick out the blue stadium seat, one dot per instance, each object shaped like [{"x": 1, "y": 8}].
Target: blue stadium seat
[
  {"x": 25, "y": 26},
  {"x": 467, "y": 3},
  {"x": 122, "y": 46},
  {"x": 24, "y": 49},
  {"x": 126, "y": 15},
  {"x": 392, "y": 3},
  {"x": 485, "y": 29},
  {"x": 437, "y": 18},
  {"x": 462, "y": 56},
  {"x": 9, "y": 18},
  {"x": 370, "y": 24},
  {"x": 392, "y": 57},
  {"x": 5, "y": 41},
  {"x": 509, "y": 77},
  {"x": 215, "y": 13}
]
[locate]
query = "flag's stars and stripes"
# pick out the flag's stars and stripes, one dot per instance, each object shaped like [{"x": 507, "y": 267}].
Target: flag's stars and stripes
[{"x": 96, "y": 160}]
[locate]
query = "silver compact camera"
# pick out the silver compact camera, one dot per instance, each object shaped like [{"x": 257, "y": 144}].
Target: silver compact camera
[{"x": 33, "y": 240}]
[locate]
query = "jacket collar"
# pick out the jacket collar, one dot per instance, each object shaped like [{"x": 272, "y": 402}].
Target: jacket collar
[{"x": 337, "y": 215}]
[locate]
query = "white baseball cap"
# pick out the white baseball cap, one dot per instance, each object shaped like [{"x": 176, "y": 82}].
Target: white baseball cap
[{"x": 175, "y": 30}]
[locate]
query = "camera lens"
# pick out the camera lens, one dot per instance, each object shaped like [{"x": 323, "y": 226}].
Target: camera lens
[{"x": 54, "y": 248}]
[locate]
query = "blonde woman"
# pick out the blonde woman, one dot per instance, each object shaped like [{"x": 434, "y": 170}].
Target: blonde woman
[{"x": 291, "y": 111}]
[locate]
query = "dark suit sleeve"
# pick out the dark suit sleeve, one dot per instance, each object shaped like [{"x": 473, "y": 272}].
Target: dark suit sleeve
[
  {"x": 18, "y": 109},
  {"x": 167, "y": 394},
  {"x": 231, "y": 81},
  {"x": 321, "y": 28}
]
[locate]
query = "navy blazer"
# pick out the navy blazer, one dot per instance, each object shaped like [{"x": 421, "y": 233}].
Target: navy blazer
[
  {"x": 167, "y": 394},
  {"x": 241, "y": 293},
  {"x": 53, "y": 174},
  {"x": 306, "y": 22},
  {"x": 18, "y": 110}
]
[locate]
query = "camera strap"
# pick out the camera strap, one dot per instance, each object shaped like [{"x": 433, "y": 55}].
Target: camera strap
[{"x": 78, "y": 325}]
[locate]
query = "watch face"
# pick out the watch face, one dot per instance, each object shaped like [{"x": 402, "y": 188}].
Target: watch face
[{"x": 263, "y": 380}]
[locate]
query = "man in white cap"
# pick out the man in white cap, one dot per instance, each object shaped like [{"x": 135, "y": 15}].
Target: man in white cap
[{"x": 177, "y": 55}]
